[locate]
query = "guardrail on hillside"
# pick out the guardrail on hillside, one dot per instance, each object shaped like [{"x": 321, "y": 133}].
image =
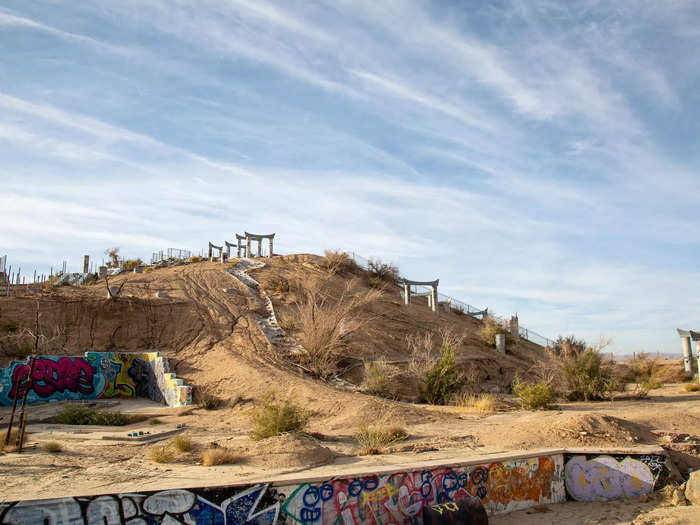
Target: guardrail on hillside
[{"x": 525, "y": 333}]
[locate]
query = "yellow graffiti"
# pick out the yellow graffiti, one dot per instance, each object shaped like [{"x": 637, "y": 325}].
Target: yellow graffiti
[{"x": 450, "y": 505}]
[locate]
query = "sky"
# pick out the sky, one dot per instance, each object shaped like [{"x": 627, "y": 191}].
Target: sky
[{"x": 538, "y": 157}]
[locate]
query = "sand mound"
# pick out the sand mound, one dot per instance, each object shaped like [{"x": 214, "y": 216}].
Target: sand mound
[
  {"x": 599, "y": 429},
  {"x": 289, "y": 451}
]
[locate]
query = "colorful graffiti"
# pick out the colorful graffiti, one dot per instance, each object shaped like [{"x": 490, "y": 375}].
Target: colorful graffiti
[
  {"x": 602, "y": 478},
  {"x": 97, "y": 375},
  {"x": 256, "y": 505},
  {"x": 382, "y": 499},
  {"x": 400, "y": 497}
]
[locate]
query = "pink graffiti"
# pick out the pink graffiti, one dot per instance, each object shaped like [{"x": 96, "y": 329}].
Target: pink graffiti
[{"x": 49, "y": 376}]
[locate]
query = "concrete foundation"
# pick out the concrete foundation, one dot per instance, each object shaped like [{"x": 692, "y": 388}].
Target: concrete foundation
[{"x": 501, "y": 343}]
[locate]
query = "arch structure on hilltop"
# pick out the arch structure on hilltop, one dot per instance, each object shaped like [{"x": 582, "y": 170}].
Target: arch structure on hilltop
[{"x": 432, "y": 294}]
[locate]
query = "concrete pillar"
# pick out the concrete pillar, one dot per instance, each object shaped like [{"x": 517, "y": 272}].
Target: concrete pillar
[
  {"x": 247, "y": 246},
  {"x": 86, "y": 263},
  {"x": 259, "y": 247},
  {"x": 434, "y": 297},
  {"x": 501, "y": 343},
  {"x": 271, "y": 252},
  {"x": 406, "y": 294},
  {"x": 514, "y": 327},
  {"x": 687, "y": 356},
  {"x": 697, "y": 354}
]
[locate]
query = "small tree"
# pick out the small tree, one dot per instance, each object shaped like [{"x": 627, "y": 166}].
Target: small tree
[{"x": 113, "y": 257}]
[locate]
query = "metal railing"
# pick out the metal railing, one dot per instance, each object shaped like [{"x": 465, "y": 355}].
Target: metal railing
[
  {"x": 467, "y": 308},
  {"x": 170, "y": 254}
]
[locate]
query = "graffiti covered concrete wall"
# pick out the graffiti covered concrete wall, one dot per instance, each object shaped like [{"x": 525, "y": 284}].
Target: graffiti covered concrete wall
[
  {"x": 593, "y": 477},
  {"x": 96, "y": 375},
  {"x": 397, "y": 497}
]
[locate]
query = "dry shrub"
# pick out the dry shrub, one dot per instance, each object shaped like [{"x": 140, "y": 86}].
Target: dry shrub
[
  {"x": 194, "y": 259},
  {"x": 646, "y": 370},
  {"x": 326, "y": 323},
  {"x": 131, "y": 264},
  {"x": 162, "y": 453},
  {"x": 277, "y": 285},
  {"x": 209, "y": 401},
  {"x": 691, "y": 387},
  {"x": 380, "y": 272},
  {"x": 338, "y": 263},
  {"x": 375, "y": 437},
  {"x": 52, "y": 447},
  {"x": 490, "y": 328},
  {"x": 672, "y": 373},
  {"x": 272, "y": 417},
  {"x": 534, "y": 395},
  {"x": 218, "y": 456},
  {"x": 10, "y": 447},
  {"x": 83, "y": 415},
  {"x": 479, "y": 403},
  {"x": 381, "y": 378},
  {"x": 182, "y": 443}
]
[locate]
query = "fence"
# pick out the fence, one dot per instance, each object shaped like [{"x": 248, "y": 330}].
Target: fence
[
  {"x": 169, "y": 254},
  {"x": 525, "y": 333}
]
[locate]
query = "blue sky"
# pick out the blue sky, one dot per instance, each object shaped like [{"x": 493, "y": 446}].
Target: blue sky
[{"x": 538, "y": 157}]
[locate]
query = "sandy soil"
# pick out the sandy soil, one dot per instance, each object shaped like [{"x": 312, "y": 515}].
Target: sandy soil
[{"x": 207, "y": 326}]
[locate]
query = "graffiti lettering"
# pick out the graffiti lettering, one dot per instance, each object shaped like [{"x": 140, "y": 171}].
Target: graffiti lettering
[{"x": 49, "y": 376}]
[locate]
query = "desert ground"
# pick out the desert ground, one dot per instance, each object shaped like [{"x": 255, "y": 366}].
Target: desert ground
[{"x": 208, "y": 324}]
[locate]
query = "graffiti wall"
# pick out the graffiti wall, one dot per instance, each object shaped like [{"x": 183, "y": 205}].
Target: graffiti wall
[
  {"x": 378, "y": 499},
  {"x": 97, "y": 375},
  {"x": 602, "y": 477}
]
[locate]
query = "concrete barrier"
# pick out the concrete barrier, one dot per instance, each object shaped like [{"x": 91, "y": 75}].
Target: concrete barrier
[
  {"x": 96, "y": 375},
  {"x": 388, "y": 495}
]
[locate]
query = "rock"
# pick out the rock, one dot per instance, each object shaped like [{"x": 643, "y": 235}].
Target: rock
[
  {"x": 678, "y": 497},
  {"x": 692, "y": 488}
]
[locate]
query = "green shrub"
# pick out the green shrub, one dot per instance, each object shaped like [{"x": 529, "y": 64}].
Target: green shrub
[
  {"x": 441, "y": 381},
  {"x": 588, "y": 377},
  {"x": 533, "y": 395},
  {"x": 374, "y": 438},
  {"x": 81, "y": 415},
  {"x": 130, "y": 264},
  {"x": 274, "y": 417}
]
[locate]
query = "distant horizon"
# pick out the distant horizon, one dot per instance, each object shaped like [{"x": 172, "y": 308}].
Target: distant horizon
[{"x": 539, "y": 158}]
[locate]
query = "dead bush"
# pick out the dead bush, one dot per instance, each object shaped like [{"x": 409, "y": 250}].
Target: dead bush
[
  {"x": 277, "y": 285},
  {"x": 209, "y": 401},
  {"x": 587, "y": 375},
  {"x": 382, "y": 272},
  {"x": 131, "y": 264},
  {"x": 691, "y": 387},
  {"x": 338, "y": 263},
  {"x": 326, "y": 323},
  {"x": 218, "y": 456},
  {"x": 646, "y": 370},
  {"x": 287, "y": 323},
  {"x": 52, "y": 447}
]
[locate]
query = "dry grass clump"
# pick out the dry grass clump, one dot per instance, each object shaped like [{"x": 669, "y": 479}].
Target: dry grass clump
[
  {"x": 479, "y": 403},
  {"x": 162, "y": 453},
  {"x": 277, "y": 285},
  {"x": 10, "y": 447},
  {"x": 148, "y": 269},
  {"x": 646, "y": 371},
  {"x": 691, "y": 387},
  {"x": 326, "y": 323},
  {"x": 218, "y": 456},
  {"x": 374, "y": 438},
  {"x": 131, "y": 264},
  {"x": 338, "y": 263},
  {"x": 195, "y": 259},
  {"x": 182, "y": 443},
  {"x": 272, "y": 417},
  {"x": 287, "y": 323},
  {"x": 52, "y": 447},
  {"x": 381, "y": 378}
]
